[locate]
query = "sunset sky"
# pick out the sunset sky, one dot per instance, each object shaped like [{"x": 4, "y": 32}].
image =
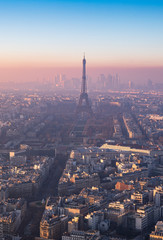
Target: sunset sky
[{"x": 37, "y": 36}]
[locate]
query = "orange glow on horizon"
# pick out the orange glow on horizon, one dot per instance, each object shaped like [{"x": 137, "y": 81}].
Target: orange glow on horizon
[{"x": 77, "y": 64}]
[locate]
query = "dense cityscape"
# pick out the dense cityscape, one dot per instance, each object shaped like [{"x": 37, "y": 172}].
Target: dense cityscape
[{"x": 71, "y": 168}]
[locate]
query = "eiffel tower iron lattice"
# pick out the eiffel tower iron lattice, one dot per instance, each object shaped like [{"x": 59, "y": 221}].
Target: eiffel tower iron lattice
[{"x": 84, "y": 105}]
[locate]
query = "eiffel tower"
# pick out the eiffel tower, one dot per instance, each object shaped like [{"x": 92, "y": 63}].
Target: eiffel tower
[{"x": 84, "y": 107}]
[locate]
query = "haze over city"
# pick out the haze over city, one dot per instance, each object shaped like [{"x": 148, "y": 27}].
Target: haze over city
[{"x": 81, "y": 120}]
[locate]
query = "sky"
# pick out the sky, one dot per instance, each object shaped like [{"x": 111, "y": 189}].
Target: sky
[{"x": 39, "y": 38}]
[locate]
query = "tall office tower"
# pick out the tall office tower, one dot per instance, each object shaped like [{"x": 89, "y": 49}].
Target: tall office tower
[
  {"x": 117, "y": 81},
  {"x": 84, "y": 107}
]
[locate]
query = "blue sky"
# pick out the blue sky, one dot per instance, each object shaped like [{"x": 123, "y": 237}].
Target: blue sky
[{"x": 56, "y": 33}]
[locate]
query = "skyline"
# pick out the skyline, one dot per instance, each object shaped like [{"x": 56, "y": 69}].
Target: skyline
[
  {"x": 116, "y": 36},
  {"x": 139, "y": 76}
]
